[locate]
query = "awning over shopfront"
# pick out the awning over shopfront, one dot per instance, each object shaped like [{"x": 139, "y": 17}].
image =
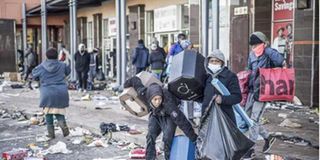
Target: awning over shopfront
[{"x": 62, "y": 6}]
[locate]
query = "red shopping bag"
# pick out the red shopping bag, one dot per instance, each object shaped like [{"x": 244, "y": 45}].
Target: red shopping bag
[
  {"x": 243, "y": 78},
  {"x": 277, "y": 84}
]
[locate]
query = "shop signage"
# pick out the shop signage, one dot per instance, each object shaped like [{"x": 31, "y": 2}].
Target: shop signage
[
  {"x": 282, "y": 28},
  {"x": 112, "y": 27},
  {"x": 166, "y": 19}
]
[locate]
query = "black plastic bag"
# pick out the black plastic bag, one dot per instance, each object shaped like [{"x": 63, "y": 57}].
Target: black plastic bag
[
  {"x": 219, "y": 138},
  {"x": 100, "y": 75}
]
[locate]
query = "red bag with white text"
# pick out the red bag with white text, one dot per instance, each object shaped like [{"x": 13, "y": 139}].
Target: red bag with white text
[{"x": 276, "y": 84}]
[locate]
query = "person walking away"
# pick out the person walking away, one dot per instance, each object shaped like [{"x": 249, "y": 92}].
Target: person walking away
[
  {"x": 54, "y": 97},
  {"x": 261, "y": 56},
  {"x": 64, "y": 55},
  {"x": 156, "y": 60},
  {"x": 164, "y": 116},
  {"x": 31, "y": 63},
  {"x": 93, "y": 67},
  {"x": 140, "y": 57},
  {"x": 82, "y": 59}
]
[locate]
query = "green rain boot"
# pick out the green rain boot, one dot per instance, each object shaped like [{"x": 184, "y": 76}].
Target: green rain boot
[
  {"x": 51, "y": 134},
  {"x": 64, "y": 128}
]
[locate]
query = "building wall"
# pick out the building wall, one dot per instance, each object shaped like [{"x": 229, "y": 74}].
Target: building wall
[
  {"x": 12, "y": 9},
  {"x": 306, "y": 58}
]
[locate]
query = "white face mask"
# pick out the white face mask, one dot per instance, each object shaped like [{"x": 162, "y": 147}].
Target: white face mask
[
  {"x": 214, "y": 67},
  {"x": 153, "y": 46}
]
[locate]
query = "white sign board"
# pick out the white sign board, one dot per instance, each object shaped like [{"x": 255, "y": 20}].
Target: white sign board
[
  {"x": 112, "y": 29},
  {"x": 166, "y": 19},
  {"x": 240, "y": 11}
]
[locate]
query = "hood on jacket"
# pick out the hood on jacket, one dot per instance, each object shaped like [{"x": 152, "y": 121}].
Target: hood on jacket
[
  {"x": 214, "y": 54},
  {"x": 141, "y": 46},
  {"x": 154, "y": 90},
  {"x": 51, "y": 65},
  {"x": 81, "y": 45}
]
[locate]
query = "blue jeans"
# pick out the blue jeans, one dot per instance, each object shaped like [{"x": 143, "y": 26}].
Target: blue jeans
[{"x": 92, "y": 74}]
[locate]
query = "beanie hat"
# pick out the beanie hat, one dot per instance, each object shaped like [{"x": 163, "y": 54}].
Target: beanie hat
[{"x": 257, "y": 38}]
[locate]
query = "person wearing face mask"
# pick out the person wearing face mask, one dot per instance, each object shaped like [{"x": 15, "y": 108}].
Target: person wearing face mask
[
  {"x": 156, "y": 60},
  {"x": 261, "y": 56},
  {"x": 175, "y": 49},
  {"x": 82, "y": 60},
  {"x": 214, "y": 65},
  {"x": 164, "y": 116}
]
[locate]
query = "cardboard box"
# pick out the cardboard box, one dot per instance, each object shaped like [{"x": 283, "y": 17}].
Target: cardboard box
[{"x": 12, "y": 76}]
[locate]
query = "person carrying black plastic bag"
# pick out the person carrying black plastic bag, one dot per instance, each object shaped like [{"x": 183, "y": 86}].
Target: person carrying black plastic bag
[
  {"x": 164, "y": 116},
  {"x": 218, "y": 124}
]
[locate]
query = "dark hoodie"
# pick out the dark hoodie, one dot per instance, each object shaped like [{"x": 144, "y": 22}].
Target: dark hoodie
[
  {"x": 53, "y": 88},
  {"x": 169, "y": 108},
  {"x": 230, "y": 81},
  {"x": 140, "y": 56}
]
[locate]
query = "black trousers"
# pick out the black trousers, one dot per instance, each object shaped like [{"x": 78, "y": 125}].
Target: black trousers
[
  {"x": 138, "y": 70},
  {"x": 28, "y": 72},
  {"x": 83, "y": 79},
  {"x": 155, "y": 126}
]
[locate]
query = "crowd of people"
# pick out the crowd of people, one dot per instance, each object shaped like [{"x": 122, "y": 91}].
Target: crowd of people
[{"x": 164, "y": 116}]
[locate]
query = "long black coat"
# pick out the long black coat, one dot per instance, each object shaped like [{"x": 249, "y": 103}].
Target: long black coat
[
  {"x": 230, "y": 81},
  {"x": 82, "y": 61}
]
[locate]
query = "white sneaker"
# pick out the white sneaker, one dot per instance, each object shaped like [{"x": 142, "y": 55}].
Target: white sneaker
[
  {"x": 79, "y": 90},
  {"x": 84, "y": 91}
]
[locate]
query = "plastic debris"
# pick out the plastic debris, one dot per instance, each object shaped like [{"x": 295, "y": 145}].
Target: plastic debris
[
  {"x": 137, "y": 153},
  {"x": 42, "y": 139},
  {"x": 86, "y": 97},
  {"x": 77, "y": 140},
  {"x": 294, "y": 140},
  {"x": 78, "y": 132},
  {"x": 283, "y": 115},
  {"x": 15, "y": 154},
  {"x": 98, "y": 143},
  {"x": 290, "y": 124},
  {"x": 60, "y": 147}
]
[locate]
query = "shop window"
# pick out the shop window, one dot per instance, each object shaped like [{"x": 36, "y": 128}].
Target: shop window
[
  {"x": 90, "y": 36},
  {"x": 185, "y": 16},
  {"x": 97, "y": 19},
  {"x": 149, "y": 21},
  {"x": 82, "y": 30},
  {"x": 304, "y": 4},
  {"x": 105, "y": 28}
]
